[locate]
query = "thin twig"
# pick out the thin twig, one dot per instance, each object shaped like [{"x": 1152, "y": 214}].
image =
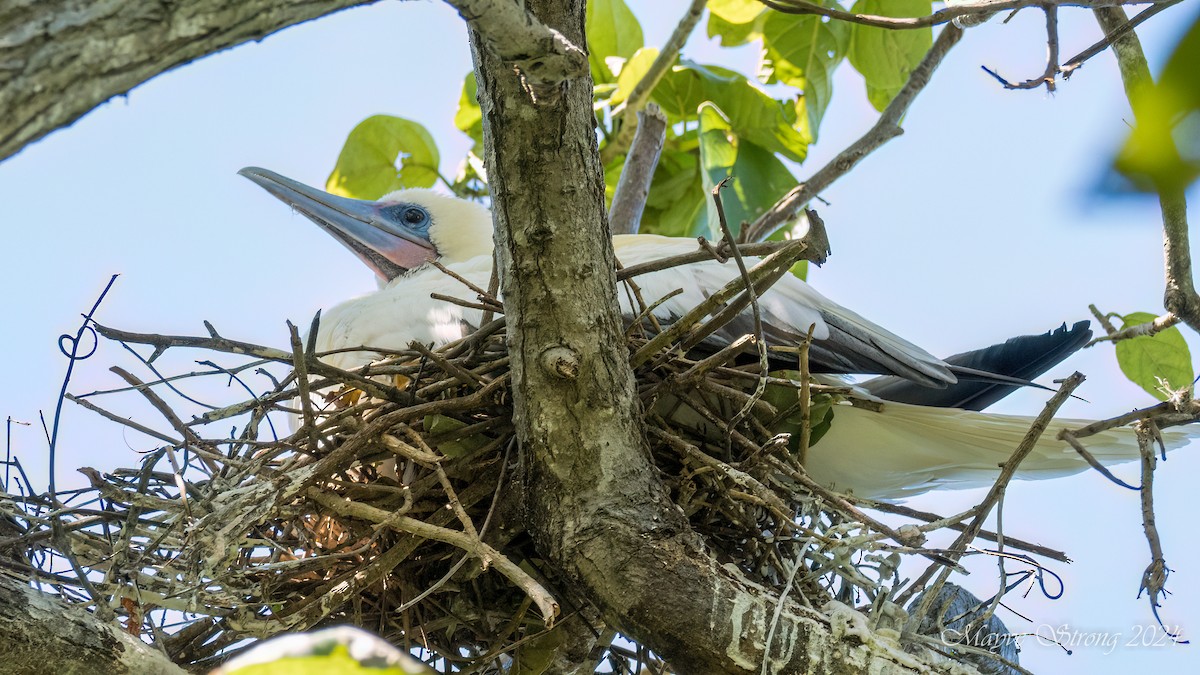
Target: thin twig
[
  {"x": 886, "y": 128},
  {"x": 1007, "y": 471},
  {"x": 1077, "y": 61},
  {"x": 1052, "y": 69}
]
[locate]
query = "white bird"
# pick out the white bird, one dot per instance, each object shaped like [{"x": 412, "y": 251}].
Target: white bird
[{"x": 903, "y": 449}]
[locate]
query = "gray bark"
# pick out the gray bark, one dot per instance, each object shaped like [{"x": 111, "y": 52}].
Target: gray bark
[
  {"x": 595, "y": 506},
  {"x": 61, "y": 58},
  {"x": 40, "y": 634}
]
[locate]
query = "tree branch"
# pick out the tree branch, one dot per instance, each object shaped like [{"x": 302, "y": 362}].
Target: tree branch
[
  {"x": 629, "y": 200},
  {"x": 61, "y": 58},
  {"x": 38, "y": 629},
  {"x": 1077, "y": 61},
  {"x": 1180, "y": 296},
  {"x": 597, "y": 510},
  {"x": 543, "y": 55},
  {"x": 885, "y": 129}
]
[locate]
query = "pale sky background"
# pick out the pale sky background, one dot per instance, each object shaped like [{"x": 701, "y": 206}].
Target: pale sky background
[{"x": 978, "y": 224}]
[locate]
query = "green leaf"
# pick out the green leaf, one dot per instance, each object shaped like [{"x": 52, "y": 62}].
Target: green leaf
[
  {"x": 612, "y": 30},
  {"x": 440, "y": 425},
  {"x": 1146, "y": 359},
  {"x": 632, "y": 72},
  {"x": 469, "y": 118},
  {"x": 759, "y": 178},
  {"x": 753, "y": 114},
  {"x": 1163, "y": 150},
  {"x": 786, "y": 398},
  {"x": 803, "y": 51},
  {"x": 675, "y": 206},
  {"x": 367, "y": 165},
  {"x": 331, "y": 651},
  {"x": 735, "y": 34},
  {"x": 886, "y": 57},
  {"x": 735, "y": 11}
]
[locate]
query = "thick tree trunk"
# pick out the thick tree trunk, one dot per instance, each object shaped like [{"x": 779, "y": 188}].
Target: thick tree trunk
[
  {"x": 595, "y": 506},
  {"x": 61, "y": 58},
  {"x": 39, "y": 634}
]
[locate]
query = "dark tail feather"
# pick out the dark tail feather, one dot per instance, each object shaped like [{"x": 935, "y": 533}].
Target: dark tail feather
[{"x": 989, "y": 374}]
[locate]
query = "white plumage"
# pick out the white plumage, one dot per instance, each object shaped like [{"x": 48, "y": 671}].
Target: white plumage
[{"x": 899, "y": 451}]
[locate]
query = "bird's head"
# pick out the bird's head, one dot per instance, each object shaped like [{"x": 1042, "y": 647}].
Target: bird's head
[{"x": 399, "y": 232}]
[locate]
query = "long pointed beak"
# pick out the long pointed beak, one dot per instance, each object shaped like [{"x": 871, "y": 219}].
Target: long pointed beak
[{"x": 389, "y": 250}]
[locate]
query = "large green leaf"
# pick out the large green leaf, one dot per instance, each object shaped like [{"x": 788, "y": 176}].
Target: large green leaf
[
  {"x": 383, "y": 154},
  {"x": 886, "y": 57},
  {"x": 735, "y": 11},
  {"x": 1146, "y": 359},
  {"x": 612, "y": 30},
  {"x": 736, "y": 34},
  {"x": 753, "y": 114},
  {"x": 759, "y": 178},
  {"x": 469, "y": 118},
  {"x": 632, "y": 72},
  {"x": 803, "y": 51},
  {"x": 1163, "y": 151}
]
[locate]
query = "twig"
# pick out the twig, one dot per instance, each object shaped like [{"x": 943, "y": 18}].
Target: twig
[
  {"x": 760, "y": 337},
  {"x": 815, "y": 254},
  {"x": 1148, "y": 329},
  {"x": 123, "y": 421},
  {"x": 805, "y": 395},
  {"x": 629, "y": 200},
  {"x": 983, "y": 534},
  {"x": 481, "y": 551},
  {"x": 207, "y": 454},
  {"x": 1052, "y": 69},
  {"x": 1007, "y": 471},
  {"x": 73, "y": 354},
  {"x": 301, "y": 367},
  {"x": 1066, "y": 435},
  {"x": 1077, "y": 61},
  {"x": 914, "y": 540},
  {"x": 763, "y": 274},
  {"x": 484, "y": 296},
  {"x": 885, "y": 129},
  {"x": 217, "y": 343}
]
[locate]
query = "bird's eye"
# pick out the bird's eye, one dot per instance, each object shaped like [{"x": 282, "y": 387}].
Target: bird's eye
[{"x": 414, "y": 216}]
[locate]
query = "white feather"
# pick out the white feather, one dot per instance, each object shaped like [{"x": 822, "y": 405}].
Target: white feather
[
  {"x": 896, "y": 453},
  {"x": 905, "y": 450}
]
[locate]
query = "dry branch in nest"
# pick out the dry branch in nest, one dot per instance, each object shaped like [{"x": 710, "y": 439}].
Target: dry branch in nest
[{"x": 395, "y": 505}]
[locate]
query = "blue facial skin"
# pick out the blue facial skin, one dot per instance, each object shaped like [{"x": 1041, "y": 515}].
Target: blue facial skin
[{"x": 410, "y": 216}]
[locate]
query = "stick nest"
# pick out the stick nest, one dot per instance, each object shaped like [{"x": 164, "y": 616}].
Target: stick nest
[{"x": 396, "y": 504}]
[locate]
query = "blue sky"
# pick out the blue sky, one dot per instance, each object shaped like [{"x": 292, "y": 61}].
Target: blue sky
[{"x": 979, "y": 223}]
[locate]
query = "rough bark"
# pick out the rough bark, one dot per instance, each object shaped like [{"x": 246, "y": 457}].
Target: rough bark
[
  {"x": 61, "y": 58},
  {"x": 595, "y": 506},
  {"x": 39, "y": 634}
]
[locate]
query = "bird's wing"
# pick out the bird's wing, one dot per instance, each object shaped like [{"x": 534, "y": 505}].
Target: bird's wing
[
  {"x": 844, "y": 342},
  {"x": 1024, "y": 357}
]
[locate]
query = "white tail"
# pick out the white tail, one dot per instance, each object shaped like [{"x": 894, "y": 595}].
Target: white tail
[{"x": 905, "y": 450}]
